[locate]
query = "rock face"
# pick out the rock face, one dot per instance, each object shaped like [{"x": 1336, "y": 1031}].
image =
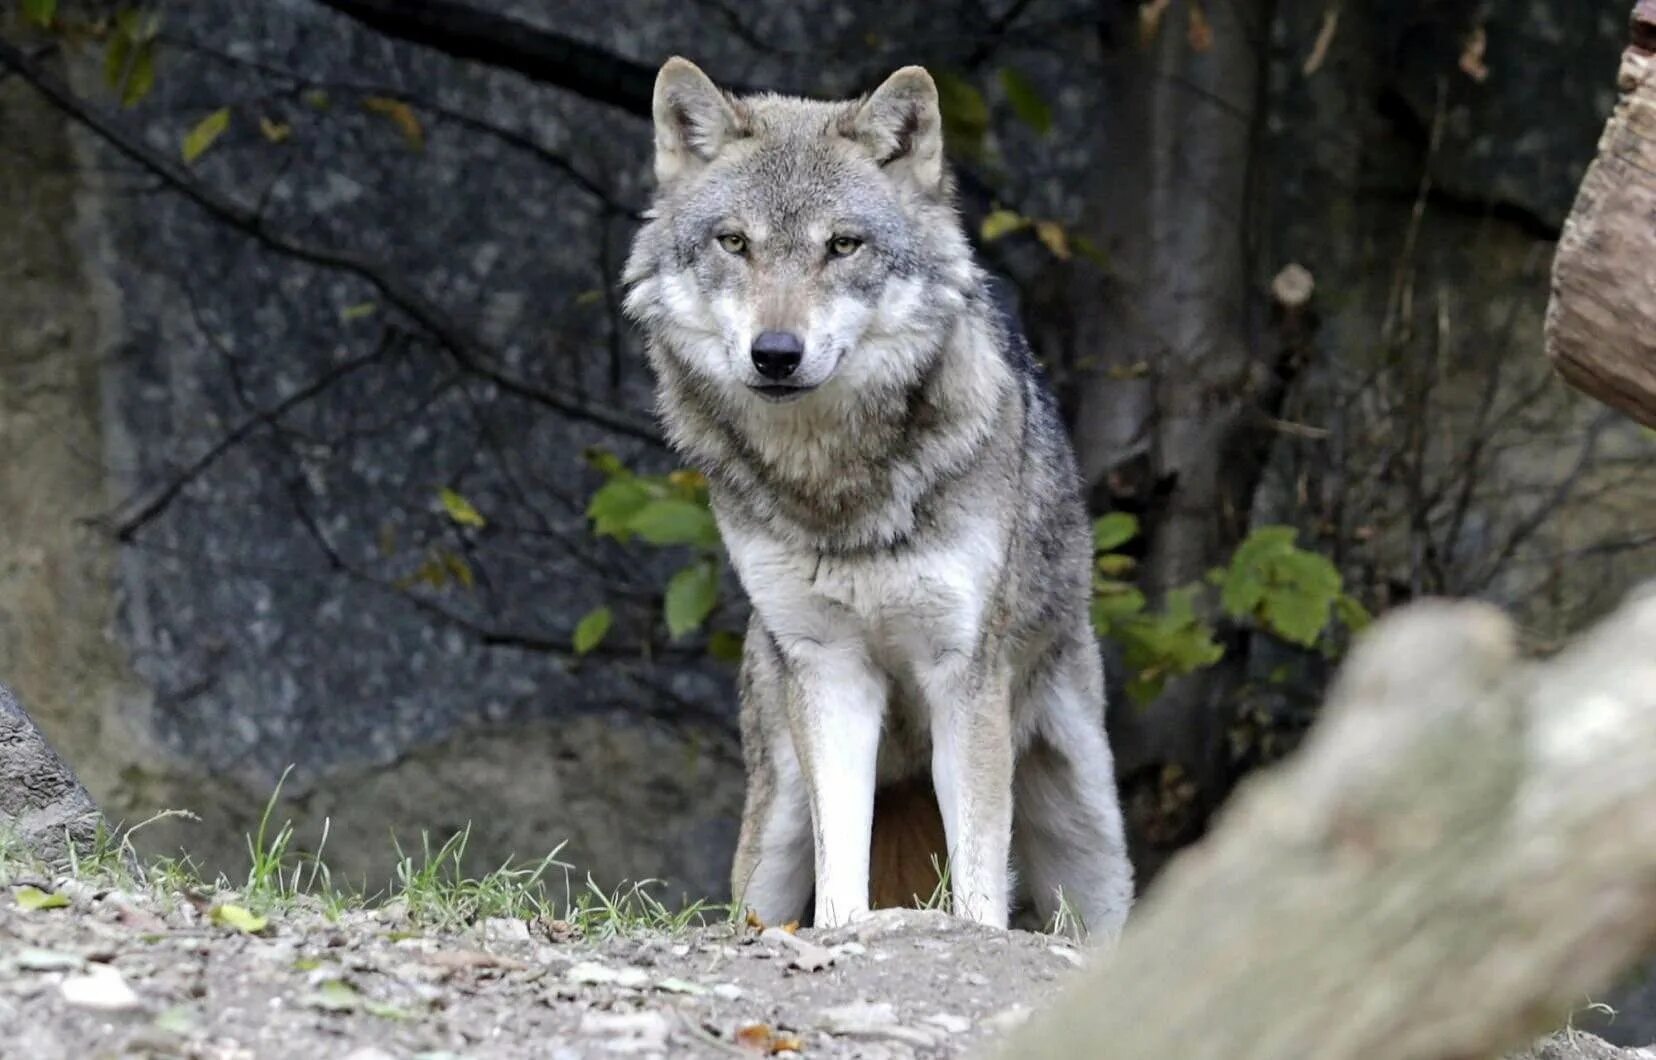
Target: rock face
[
  {"x": 301, "y": 598},
  {"x": 41, "y": 802}
]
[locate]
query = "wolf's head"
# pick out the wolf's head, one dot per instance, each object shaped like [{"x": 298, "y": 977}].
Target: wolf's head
[{"x": 797, "y": 249}]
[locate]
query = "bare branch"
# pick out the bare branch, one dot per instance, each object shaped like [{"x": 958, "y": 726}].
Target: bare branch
[{"x": 396, "y": 290}]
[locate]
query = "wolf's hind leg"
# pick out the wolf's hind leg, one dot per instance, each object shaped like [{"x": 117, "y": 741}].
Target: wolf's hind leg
[
  {"x": 772, "y": 873},
  {"x": 972, "y": 773},
  {"x": 1067, "y": 833}
]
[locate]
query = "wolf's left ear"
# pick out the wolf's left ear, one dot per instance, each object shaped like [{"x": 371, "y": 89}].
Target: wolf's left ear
[
  {"x": 693, "y": 119},
  {"x": 903, "y": 127}
]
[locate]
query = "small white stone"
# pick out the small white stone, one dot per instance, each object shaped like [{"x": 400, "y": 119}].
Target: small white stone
[
  {"x": 950, "y": 1022},
  {"x": 102, "y": 988}
]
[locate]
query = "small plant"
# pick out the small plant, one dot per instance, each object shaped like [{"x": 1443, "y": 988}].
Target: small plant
[
  {"x": 1271, "y": 586},
  {"x": 664, "y": 511},
  {"x": 438, "y": 892}
]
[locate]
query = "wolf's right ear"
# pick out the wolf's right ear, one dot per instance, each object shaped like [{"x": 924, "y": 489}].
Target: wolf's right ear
[
  {"x": 902, "y": 125},
  {"x": 693, "y": 119}
]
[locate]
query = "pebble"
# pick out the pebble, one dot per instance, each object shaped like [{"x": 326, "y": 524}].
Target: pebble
[
  {"x": 102, "y": 988},
  {"x": 628, "y": 1032}
]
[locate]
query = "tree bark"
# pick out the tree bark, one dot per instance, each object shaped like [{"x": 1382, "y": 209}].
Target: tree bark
[
  {"x": 1167, "y": 347},
  {"x": 1601, "y": 324},
  {"x": 1464, "y": 849}
]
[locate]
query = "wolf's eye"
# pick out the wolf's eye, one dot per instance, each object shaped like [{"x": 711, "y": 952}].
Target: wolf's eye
[
  {"x": 843, "y": 246},
  {"x": 736, "y": 244}
]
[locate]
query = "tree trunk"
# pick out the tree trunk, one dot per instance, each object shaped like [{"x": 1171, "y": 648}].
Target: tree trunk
[
  {"x": 1464, "y": 849},
  {"x": 1167, "y": 352},
  {"x": 1601, "y": 325}
]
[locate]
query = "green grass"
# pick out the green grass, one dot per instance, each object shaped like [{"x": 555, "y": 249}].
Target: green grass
[{"x": 430, "y": 883}]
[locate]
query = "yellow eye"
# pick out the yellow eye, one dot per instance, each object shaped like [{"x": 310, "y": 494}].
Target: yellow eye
[
  {"x": 843, "y": 246},
  {"x": 736, "y": 244}
]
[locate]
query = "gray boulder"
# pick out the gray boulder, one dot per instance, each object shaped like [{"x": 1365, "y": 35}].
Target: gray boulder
[
  {"x": 1578, "y": 1045},
  {"x": 41, "y": 801}
]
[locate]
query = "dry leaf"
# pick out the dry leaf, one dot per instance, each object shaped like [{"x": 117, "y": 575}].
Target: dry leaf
[
  {"x": 1200, "y": 30},
  {"x": 1472, "y": 56},
  {"x": 761, "y": 1038},
  {"x": 275, "y": 131},
  {"x": 1053, "y": 236},
  {"x": 401, "y": 115},
  {"x": 1150, "y": 16},
  {"x": 1325, "y": 38},
  {"x": 754, "y": 922}
]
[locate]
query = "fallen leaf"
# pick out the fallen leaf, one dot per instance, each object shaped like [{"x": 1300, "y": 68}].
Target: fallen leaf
[
  {"x": 673, "y": 985},
  {"x": 763, "y": 1039},
  {"x": 237, "y": 918},
  {"x": 31, "y": 899},
  {"x": 36, "y": 960}
]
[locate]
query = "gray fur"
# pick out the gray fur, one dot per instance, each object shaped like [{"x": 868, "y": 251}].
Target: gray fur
[{"x": 909, "y": 528}]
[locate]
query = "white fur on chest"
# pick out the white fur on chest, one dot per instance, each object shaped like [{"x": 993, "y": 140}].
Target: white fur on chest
[{"x": 905, "y": 611}]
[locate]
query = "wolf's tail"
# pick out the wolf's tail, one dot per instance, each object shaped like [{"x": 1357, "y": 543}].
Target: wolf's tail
[{"x": 909, "y": 850}]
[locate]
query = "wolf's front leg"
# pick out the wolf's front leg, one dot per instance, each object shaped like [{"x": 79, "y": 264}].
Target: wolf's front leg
[
  {"x": 836, "y": 704},
  {"x": 972, "y": 761}
]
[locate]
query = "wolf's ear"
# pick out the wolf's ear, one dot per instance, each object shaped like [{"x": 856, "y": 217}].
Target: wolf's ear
[
  {"x": 903, "y": 127},
  {"x": 693, "y": 119}
]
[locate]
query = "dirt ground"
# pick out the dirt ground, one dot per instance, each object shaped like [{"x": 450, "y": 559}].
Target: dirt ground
[{"x": 115, "y": 974}]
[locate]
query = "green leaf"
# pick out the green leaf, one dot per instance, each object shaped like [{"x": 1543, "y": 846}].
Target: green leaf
[
  {"x": 1000, "y": 223},
  {"x": 40, "y": 12},
  {"x": 33, "y": 899},
  {"x": 1352, "y": 613},
  {"x": 614, "y": 504},
  {"x": 1112, "y": 603},
  {"x": 129, "y": 63},
  {"x": 358, "y": 311},
  {"x": 965, "y": 114},
  {"x": 691, "y": 595},
  {"x": 675, "y": 522},
  {"x": 605, "y": 461},
  {"x": 207, "y": 130},
  {"x": 1112, "y": 531},
  {"x": 237, "y": 918},
  {"x": 1286, "y": 589},
  {"x": 725, "y": 646},
  {"x": 335, "y": 995},
  {"x": 591, "y": 630},
  {"x": 1026, "y": 101},
  {"x": 460, "y": 509}
]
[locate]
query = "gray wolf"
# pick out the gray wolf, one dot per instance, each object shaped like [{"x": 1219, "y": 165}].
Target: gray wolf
[{"x": 898, "y": 497}]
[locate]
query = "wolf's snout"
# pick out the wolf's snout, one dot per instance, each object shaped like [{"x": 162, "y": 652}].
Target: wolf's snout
[{"x": 777, "y": 354}]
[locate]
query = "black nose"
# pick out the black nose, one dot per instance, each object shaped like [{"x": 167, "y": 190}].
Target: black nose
[{"x": 777, "y": 353}]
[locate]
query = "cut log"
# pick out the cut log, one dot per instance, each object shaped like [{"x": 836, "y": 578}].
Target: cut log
[
  {"x": 1464, "y": 850},
  {"x": 1601, "y": 323}
]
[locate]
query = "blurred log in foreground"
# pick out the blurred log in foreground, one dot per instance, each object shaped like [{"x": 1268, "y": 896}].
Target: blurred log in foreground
[
  {"x": 1464, "y": 850},
  {"x": 1601, "y": 324}
]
